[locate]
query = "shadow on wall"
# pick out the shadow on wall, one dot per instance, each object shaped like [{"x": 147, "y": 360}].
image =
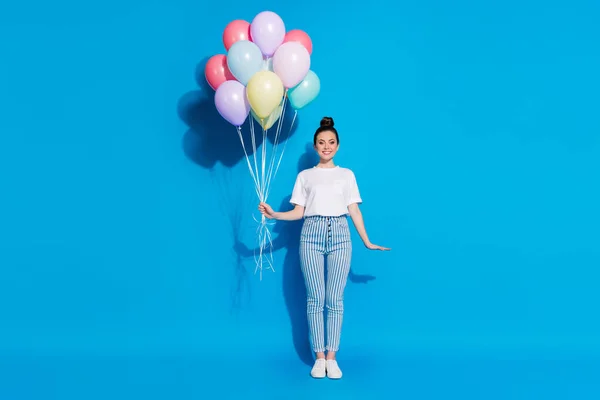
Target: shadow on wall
[
  {"x": 294, "y": 290},
  {"x": 209, "y": 141}
]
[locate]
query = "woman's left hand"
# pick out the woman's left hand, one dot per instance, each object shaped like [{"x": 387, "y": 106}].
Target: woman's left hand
[{"x": 372, "y": 246}]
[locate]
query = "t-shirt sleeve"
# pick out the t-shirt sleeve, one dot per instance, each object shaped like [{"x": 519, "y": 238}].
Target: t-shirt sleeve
[
  {"x": 353, "y": 192},
  {"x": 299, "y": 192}
]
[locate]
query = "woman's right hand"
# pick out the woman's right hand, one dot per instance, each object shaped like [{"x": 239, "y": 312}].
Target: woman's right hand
[{"x": 266, "y": 210}]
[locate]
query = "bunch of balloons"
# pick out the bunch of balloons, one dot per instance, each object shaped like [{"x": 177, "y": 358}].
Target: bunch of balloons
[{"x": 263, "y": 66}]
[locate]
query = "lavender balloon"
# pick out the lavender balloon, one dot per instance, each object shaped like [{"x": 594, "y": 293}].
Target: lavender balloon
[
  {"x": 232, "y": 103},
  {"x": 267, "y": 30}
]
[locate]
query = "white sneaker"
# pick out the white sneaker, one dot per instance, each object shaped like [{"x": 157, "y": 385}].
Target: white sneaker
[
  {"x": 318, "y": 370},
  {"x": 333, "y": 370}
]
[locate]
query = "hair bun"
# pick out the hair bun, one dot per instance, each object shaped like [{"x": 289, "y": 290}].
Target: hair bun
[{"x": 327, "y": 122}]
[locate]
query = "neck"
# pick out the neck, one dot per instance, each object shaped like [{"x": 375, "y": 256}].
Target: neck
[{"x": 326, "y": 164}]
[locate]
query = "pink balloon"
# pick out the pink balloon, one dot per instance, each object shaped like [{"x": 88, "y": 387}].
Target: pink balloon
[
  {"x": 291, "y": 62},
  {"x": 298, "y": 35},
  {"x": 268, "y": 31},
  {"x": 235, "y": 31},
  {"x": 232, "y": 103},
  {"x": 216, "y": 71}
]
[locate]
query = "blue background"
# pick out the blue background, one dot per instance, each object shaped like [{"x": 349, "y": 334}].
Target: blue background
[{"x": 126, "y": 207}]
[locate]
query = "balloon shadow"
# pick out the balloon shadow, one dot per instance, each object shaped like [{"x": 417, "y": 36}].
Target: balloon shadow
[
  {"x": 214, "y": 144},
  {"x": 231, "y": 202},
  {"x": 294, "y": 289}
]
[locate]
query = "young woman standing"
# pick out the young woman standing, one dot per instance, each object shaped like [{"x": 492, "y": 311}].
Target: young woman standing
[{"x": 324, "y": 196}]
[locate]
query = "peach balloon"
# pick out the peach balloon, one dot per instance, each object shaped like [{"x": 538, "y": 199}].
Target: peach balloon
[
  {"x": 235, "y": 31},
  {"x": 298, "y": 35},
  {"x": 216, "y": 71}
]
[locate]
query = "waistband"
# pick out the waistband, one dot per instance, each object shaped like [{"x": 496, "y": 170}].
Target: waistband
[{"x": 326, "y": 218}]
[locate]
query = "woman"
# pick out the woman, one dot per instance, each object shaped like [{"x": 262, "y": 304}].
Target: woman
[{"x": 324, "y": 196}]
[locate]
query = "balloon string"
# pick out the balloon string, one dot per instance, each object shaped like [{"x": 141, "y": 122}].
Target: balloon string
[
  {"x": 265, "y": 243},
  {"x": 263, "y": 176},
  {"x": 263, "y": 234},
  {"x": 239, "y": 130},
  {"x": 283, "y": 151},
  {"x": 264, "y": 157},
  {"x": 276, "y": 142},
  {"x": 253, "y": 136}
]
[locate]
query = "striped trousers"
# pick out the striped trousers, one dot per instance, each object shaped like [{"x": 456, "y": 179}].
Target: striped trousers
[{"x": 325, "y": 240}]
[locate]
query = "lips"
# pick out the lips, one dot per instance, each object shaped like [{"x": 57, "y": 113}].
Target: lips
[{"x": 326, "y": 153}]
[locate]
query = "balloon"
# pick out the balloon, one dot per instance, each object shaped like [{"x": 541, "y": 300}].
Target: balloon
[
  {"x": 291, "y": 63},
  {"x": 235, "y": 31},
  {"x": 300, "y": 96},
  {"x": 300, "y": 36},
  {"x": 232, "y": 103},
  {"x": 216, "y": 71},
  {"x": 268, "y": 31},
  {"x": 271, "y": 119},
  {"x": 244, "y": 59},
  {"x": 264, "y": 92}
]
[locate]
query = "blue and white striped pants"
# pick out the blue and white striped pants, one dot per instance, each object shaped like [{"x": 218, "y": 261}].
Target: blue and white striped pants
[{"x": 325, "y": 239}]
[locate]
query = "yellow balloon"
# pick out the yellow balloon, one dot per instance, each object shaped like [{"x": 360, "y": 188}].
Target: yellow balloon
[
  {"x": 264, "y": 92},
  {"x": 268, "y": 122}
]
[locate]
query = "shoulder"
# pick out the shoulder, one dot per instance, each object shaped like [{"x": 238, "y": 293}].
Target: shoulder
[
  {"x": 304, "y": 173},
  {"x": 347, "y": 172}
]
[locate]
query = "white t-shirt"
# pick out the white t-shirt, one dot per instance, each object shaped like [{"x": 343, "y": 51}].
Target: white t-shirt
[{"x": 325, "y": 192}]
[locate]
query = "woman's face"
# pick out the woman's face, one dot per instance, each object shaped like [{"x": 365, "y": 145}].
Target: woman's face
[{"x": 326, "y": 145}]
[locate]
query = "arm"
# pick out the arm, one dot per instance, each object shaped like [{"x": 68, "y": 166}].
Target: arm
[
  {"x": 293, "y": 215},
  {"x": 359, "y": 224}
]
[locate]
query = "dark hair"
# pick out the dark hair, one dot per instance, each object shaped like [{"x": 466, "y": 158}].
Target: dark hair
[{"x": 326, "y": 125}]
